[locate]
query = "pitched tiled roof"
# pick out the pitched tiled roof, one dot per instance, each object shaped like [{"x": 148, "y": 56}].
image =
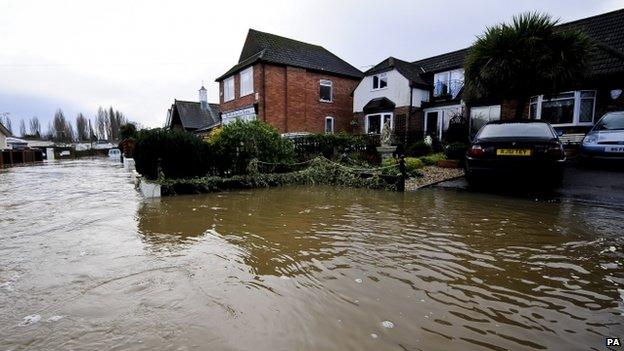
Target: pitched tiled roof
[
  {"x": 443, "y": 62},
  {"x": 408, "y": 70},
  {"x": 193, "y": 117},
  {"x": 270, "y": 48},
  {"x": 607, "y": 31}
]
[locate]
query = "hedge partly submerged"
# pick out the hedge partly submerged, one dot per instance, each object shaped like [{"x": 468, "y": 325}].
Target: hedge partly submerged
[{"x": 320, "y": 172}]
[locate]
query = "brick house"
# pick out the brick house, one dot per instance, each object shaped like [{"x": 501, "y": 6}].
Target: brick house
[
  {"x": 295, "y": 86},
  {"x": 420, "y": 97}
]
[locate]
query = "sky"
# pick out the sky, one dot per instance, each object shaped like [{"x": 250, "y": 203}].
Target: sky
[{"x": 139, "y": 56}]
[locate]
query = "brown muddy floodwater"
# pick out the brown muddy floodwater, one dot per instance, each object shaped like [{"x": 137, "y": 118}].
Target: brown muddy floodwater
[{"x": 86, "y": 264}]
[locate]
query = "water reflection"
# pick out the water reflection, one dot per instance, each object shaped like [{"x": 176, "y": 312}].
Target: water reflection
[
  {"x": 489, "y": 268},
  {"x": 301, "y": 268}
]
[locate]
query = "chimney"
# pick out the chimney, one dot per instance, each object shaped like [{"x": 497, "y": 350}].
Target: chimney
[{"x": 203, "y": 98}]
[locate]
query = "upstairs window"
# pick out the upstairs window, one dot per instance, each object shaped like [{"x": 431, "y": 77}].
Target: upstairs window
[
  {"x": 380, "y": 81},
  {"x": 329, "y": 125},
  {"x": 325, "y": 90},
  {"x": 246, "y": 81},
  {"x": 228, "y": 89},
  {"x": 448, "y": 83}
]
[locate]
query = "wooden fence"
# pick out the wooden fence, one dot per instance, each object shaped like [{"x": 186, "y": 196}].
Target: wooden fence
[{"x": 20, "y": 157}]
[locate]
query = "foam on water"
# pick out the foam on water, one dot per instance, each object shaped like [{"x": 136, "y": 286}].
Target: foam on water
[{"x": 29, "y": 320}]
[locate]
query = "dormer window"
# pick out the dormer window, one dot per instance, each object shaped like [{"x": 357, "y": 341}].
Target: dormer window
[
  {"x": 448, "y": 83},
  {"x": 380, "y": 81}
]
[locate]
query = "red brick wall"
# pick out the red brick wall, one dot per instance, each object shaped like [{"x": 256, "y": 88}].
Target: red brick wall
[
  {"x": 292, "y": 99},
  {"x": 246, "y": 100}
]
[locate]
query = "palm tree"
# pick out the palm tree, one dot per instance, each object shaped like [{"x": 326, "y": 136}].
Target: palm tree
[{"x": 528, "y": 57}]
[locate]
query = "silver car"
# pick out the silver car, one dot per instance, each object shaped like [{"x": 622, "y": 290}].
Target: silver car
[{"x": 606, "y": 138}]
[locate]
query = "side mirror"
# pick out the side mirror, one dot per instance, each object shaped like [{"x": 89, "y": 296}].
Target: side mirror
[{"x": 559, "y": 132}]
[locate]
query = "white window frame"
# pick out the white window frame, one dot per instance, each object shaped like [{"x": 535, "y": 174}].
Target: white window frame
[
  {"x": 448, "y": 80},
  {"x": 246, "y": 71},
  {"x": 381, "y": 117},
  {"x": 227, "y": 88},
  {"x": 576, "y": 115},
  {"x": 326, "y": 83},
  {"x": 333, "y": 124},
  {"x": 379, "y": 77},
  {"x": 442, "y": 114}
]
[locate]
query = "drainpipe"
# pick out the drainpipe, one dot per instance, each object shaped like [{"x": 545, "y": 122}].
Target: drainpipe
[{"x": 409, "y": 113}]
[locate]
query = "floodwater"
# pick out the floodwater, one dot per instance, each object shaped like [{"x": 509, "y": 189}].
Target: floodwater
[{"x": 86, "y": 264}]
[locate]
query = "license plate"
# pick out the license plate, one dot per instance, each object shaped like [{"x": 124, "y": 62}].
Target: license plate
[
  {"x": 513, "y": 152},
  {"x": 614, "y": 149}
]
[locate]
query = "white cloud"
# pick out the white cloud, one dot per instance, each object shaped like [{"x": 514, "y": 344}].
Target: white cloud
[{"x": 140, "y": 55}]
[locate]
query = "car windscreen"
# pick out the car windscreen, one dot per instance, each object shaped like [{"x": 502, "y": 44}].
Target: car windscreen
[
  {"x": 611, "y": 121},
  {"x": 519, "y": 130}
]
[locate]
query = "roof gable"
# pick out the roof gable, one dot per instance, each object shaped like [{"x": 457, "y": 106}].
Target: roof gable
[{"x": 271, "y": 48}]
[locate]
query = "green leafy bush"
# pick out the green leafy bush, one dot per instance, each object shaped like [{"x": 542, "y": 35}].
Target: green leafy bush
[
  {"x": 236, "y": 144},
  {"x": 328, "y": 145},
  {"x": 455, "y": 151},
  {"x": 181, "y": 154},
  {"x": 412, "y": 164},
  {"x": 432, "y": 159},
  {"x": 418, "y": 149}
]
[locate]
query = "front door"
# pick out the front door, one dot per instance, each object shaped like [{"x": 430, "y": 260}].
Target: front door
[{"x": 431, "y": 126}]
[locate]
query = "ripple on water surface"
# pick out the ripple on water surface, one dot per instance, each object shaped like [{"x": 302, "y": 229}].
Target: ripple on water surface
[{"x": 86, "y": 264}]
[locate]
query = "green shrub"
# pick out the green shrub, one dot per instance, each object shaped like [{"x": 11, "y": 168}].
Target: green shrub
[
  {"x": 419, "y": 148},
  {"x": 181, "y": 154},
  {"x": 236, "y": 144},
  {"x": 328, "y": 145},
  {"x": 412, "y": 164},
  {"x": 433, "y": 159},
  {"x": 455, "y": 151}
]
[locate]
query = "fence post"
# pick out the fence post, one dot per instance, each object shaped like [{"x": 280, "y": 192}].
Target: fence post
[
  {"x": 159, "y": 172},
  {"x": 403, "y": 170}
]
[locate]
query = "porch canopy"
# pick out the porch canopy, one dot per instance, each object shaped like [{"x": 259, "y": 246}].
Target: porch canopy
[{"x": 379, "y": 105}]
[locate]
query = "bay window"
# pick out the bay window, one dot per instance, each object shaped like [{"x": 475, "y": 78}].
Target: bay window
[
  {"x": 564, "y": 109},
  {"x": 228, "y": 89},
  {"x": 380, "y": 81},
  {"x": 376, "y": 123},
  {"x": 246, "y": 81}
]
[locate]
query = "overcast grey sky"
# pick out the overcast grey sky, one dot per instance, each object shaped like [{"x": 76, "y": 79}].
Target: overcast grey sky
[{"x": 140, "y": 55}]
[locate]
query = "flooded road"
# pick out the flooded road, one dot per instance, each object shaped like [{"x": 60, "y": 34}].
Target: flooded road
[{"x": 86, "y": 264}]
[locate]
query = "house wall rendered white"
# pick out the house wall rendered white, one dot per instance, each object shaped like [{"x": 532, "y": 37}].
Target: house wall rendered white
[
  {"x": 3, "y": 144},
  {"x": 398, "y": 91}
]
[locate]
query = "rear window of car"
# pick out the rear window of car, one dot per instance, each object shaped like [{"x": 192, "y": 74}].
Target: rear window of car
[
  {"x": 520, "y": 130},
  {"x": 611, "y": 121}
]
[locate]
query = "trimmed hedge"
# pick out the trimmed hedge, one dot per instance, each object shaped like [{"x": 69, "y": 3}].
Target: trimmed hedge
[{"x": 179, "y": 154}]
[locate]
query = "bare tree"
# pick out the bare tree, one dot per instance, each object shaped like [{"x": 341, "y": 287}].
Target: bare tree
[
  {"x": 5, "y": 119},
  {"x": 22, "y": 128},
  {"x": 62, "y": 129},
  {"x": 35, "y": 127},
  {"x": 100, "y": 122},
  {"x": 82, "y": 128}
]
